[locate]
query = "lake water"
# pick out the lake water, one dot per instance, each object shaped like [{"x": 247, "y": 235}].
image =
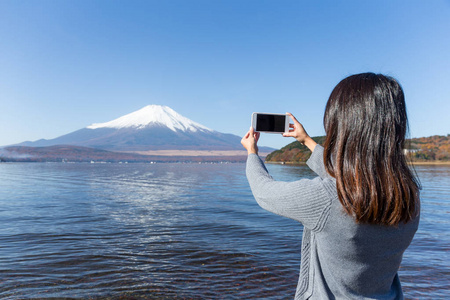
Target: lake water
[{"x": 175, "y": 231}]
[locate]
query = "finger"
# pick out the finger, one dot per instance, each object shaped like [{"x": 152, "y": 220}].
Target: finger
[{"x": 293, "y": 118}]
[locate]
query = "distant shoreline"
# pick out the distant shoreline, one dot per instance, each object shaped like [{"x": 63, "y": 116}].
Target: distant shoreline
[
  {"x": 431, "y": 162},
  {"x": 433, "y": 150},
  {"x": 194, "y": 153},
  {"x": 418, "y": 163}
]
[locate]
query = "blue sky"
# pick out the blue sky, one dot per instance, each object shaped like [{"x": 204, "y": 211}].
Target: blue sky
[{"x": 67, "y": 64}]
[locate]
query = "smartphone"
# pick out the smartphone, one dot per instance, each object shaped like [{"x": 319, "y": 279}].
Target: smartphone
[{"x": 271, "y": 123}]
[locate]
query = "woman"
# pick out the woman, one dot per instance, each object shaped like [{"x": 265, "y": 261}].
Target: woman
[{"x": 362, "y": 211}]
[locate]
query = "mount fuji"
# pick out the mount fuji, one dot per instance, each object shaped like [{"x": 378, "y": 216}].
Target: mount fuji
[{"x": 153, "y": 127}]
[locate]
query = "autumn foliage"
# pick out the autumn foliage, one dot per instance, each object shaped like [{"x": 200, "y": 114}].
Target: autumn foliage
[
  {"x": 433, "y": 148},
  {"x": 425, "y": 149}
]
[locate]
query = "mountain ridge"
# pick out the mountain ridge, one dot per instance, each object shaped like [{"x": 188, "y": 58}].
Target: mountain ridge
[{"x": 153, "y": 127}]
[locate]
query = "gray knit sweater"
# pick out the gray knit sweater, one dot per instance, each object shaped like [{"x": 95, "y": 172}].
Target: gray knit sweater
[{"x": 340, "y": 259}]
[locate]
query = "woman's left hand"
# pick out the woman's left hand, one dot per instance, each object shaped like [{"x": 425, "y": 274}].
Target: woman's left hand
[{"x": 250, "y": 140}]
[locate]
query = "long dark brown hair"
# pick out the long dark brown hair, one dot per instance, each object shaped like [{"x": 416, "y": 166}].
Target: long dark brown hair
[{"x": 366, "y": 124}]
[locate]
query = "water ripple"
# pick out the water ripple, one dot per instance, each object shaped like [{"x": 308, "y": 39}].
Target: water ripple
[{"x": 174, "y": 231}]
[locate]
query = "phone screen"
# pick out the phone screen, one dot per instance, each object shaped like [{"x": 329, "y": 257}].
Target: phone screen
[{"x": 274, "y": 123}]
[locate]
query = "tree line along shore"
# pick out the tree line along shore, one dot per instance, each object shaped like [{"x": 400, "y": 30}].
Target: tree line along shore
[{"x": 425, "y": 150}]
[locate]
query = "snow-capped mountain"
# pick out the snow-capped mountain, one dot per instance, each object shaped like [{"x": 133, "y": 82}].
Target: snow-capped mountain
[
  {"x": 153, "y": 127},
  {"x": 153, "y": 115}
]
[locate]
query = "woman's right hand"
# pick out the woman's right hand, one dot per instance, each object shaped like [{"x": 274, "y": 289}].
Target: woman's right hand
[{"x": 299, "y": 133}]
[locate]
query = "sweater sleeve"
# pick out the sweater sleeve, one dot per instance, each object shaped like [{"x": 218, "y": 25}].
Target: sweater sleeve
[
  {"x": 315, "y": 162},
  {"x": 305, "y": 200}
]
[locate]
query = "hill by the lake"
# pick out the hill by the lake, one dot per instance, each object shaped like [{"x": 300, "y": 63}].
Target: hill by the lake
[
  {"x": 293, "y": 152},
  {"x": 433, "y": 148},
  {"x": 426, "y": 149}
]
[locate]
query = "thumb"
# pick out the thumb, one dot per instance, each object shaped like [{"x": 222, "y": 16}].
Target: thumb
[
  {"x": 257, "y": 136},
  {"x": 253, "y": 132}
]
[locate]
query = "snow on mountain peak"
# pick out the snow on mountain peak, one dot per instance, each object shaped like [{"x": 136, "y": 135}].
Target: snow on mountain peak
[{"x": 152, "y": 115}]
